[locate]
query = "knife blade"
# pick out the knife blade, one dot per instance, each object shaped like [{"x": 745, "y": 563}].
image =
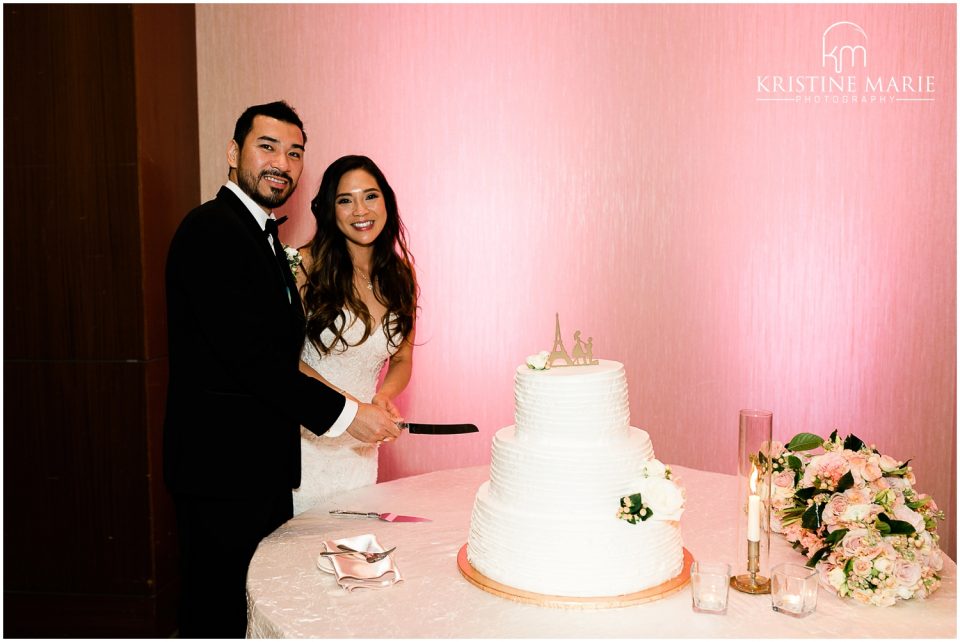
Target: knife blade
[
  {"x": 384, "y": 517},
  {"x": 437, "y": 429}
]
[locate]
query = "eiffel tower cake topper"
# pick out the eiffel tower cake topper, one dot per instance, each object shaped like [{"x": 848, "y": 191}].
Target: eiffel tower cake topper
[{"x": 582, "y": 352}]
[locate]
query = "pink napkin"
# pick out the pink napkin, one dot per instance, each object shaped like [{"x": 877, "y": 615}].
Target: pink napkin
[{"x": 352, "y": 571}]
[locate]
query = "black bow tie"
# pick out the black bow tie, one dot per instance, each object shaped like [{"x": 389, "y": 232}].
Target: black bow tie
[{"x": 273, "y": 224}]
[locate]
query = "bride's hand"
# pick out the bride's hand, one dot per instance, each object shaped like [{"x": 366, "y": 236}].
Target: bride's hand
[{"x": 384, "y": 402}]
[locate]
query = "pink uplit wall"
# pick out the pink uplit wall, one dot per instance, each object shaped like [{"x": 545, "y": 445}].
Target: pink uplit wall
[{"x": 627, "y": 168}]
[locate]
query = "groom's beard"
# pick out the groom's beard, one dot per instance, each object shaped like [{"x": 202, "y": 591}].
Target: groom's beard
[{"x": 275, "y": 196}]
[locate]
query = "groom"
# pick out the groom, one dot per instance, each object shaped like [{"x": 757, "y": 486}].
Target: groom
[{"x": 236, "y": 396}]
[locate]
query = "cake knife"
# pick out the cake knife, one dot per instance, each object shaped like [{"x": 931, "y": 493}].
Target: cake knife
[
  {"x": 383, "y": 517},
  {"x": 436, "y": 429}
]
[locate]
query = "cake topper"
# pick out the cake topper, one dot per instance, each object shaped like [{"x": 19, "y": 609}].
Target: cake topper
[{"x": 582, "y": 352}]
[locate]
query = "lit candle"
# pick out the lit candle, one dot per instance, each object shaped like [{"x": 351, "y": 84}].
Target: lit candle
[
  {"x": 753, "y": 509},
  {"x": 711, "y": 600},
  {"x": 790, "y": 603}
]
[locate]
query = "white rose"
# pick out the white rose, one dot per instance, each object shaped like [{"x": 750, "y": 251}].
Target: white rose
[
  {"x": 856, "y": 513},
  {"x": 538, "y": 361},
  {"x": 906, "y": 514},
  {"x": 883, "y": 565},
  {"x": 664, "y": 498},
  {"x": 935, "y": 561},
  {"x": 837, "y": 578},
  {"x": 888, "y": 463},
  {"x": 654, "y": 468}
]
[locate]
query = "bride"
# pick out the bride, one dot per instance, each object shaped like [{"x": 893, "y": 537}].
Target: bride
[{"x": 360, "y": 296}]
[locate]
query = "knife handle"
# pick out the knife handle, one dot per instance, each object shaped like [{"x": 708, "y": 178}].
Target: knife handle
[{"x": 350, "y": 512}]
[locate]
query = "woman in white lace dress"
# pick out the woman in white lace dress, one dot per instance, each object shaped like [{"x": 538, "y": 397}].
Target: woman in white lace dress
[{"x": 360, "y": 295}]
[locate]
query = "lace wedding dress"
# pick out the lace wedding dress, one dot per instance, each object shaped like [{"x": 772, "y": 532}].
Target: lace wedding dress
[{"x": 330, "y": 465}]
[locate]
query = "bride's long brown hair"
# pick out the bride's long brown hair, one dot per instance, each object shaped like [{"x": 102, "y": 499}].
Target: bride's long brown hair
[{"x": 329, "y": 289}]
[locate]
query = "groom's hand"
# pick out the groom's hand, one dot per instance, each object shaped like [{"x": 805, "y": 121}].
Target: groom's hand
[{"x": 373, "y": 424}]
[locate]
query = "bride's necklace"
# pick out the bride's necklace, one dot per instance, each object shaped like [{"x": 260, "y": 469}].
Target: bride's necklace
[{"x": 365, "y": 278}]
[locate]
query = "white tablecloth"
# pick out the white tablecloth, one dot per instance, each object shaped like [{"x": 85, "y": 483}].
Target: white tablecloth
[{"x": 289, "y": 597}]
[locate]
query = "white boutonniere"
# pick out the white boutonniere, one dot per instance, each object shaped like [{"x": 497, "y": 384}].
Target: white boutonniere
[{"x": 293, "y": 259}]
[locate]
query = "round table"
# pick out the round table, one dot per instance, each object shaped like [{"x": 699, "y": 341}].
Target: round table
[{"x": 289, "y": 597}]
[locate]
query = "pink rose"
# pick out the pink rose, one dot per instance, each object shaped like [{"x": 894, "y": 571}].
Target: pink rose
[
  {"x": 857, "y": 495},
  {"x": 862, "y": 567},
  {"x": 792, "y": 531},
  {"x": 783, "y": 479},
  {"x": 829, "y": 467},
  {"x": 906, "y": 573},
  {"x": 931, "y": 505},
  {"x": 837, "y": 504},
  {"x": 810, "y": 541},
  {"x": 872, "y": 469},
  {"x": 861, "y": 596},
  {"x": 853, "y": 541}
]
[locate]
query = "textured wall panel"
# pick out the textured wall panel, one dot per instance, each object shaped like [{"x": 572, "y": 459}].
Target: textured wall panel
[{"x": 614, "y": 164}]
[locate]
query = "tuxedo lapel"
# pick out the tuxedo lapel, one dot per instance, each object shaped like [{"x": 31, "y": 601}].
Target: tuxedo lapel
[{"x": 283, "y": 277}]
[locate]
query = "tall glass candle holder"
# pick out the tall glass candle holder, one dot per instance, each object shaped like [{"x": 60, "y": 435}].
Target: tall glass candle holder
[{"x": 752, "y": 573}]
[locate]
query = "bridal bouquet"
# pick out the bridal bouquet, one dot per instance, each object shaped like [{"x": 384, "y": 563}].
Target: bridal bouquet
[{"x": 856, "y": 515}]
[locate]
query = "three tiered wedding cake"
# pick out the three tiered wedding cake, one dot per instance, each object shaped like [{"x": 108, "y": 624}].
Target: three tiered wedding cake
[{"x": 547, "y": 520}]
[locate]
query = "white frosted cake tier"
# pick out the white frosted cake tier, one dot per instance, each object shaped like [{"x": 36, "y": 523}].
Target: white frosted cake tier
[
  {"x": 541, "y": 548},
  {"x": 587, "y": 478},
  {"x": 546, "y": 522},
  {"x": 559, "y": 404}
]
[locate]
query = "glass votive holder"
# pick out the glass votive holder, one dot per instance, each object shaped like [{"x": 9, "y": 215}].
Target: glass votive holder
[
  {"x": 710, "y": 583},
  {"x": 794, "y": 589}
]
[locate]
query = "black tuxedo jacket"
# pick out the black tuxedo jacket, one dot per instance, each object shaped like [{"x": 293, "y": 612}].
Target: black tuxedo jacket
[{"x": 236, "y": 397}]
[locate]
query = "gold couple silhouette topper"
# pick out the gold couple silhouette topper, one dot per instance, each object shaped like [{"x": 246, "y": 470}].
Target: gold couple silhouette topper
[{"x": 582, "y": 352}]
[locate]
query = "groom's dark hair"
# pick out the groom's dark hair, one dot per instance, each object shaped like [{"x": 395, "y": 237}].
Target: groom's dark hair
[{"x": 279, "y": 110}]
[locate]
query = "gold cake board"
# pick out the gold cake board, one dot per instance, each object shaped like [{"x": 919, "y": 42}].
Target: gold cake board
[{"x": 658, "y": 592}]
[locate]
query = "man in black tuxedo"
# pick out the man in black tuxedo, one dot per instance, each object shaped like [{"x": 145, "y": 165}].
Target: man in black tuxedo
[{"x": 236, "y": 396}]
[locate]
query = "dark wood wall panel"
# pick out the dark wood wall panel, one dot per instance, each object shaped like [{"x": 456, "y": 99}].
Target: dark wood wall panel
[
  {"x": 169, "y": 143},
  {"x": 101, "y": 159},
  {"x": 72, "y": 278},
  {"x": 83, "y": 503}
]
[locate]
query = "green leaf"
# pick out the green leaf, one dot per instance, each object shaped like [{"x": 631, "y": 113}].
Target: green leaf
[
  {"x": 633, "y": 503},
  {"x": 833, "y": 436},
  {"x": 811, "y": 518},
  {"x": 895, "y": 526},
  {"x": 804, "y": 441},
  {"x": 845, "y": 482},
  {"x": 819, "y": 555},
  {"x": 852, "y": 442},
  {"x": 803, "y": 494},
  {"x": 836, "y": 536},
  {"x": 794, "y": 463}
]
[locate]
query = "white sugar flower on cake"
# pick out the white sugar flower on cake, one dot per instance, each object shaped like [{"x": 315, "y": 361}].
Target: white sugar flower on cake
[
  {"x": 655, "y": 468},
  {"x": 659, "y": 497},
  {"x": 664, "y": 497},
  {"x": 538, "y": 361}
]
